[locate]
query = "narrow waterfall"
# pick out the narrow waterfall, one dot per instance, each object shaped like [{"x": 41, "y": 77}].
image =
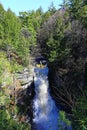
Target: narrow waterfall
[{"x": 45, "y": 112}]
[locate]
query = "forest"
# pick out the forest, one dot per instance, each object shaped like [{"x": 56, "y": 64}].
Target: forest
[{"x": 59, "y": 35}]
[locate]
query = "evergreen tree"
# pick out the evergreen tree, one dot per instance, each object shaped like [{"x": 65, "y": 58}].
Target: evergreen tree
[
  {"x": 2, "y": 24},
  {"x": 52, "y": 8}
]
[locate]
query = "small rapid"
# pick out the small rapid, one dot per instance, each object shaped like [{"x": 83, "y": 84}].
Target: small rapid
[{"x": 45, "y": 112}]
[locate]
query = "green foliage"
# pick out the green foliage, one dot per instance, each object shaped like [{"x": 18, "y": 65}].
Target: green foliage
[
  {"x": 78, "y": 10},
  {"x": 63, "y": 122},
  {"x": 55, "y": 45},
  {"x": 5, "y": 69},
  {"x": 17, "y": 35},
  {"x": 7, "y": 113},
  {"x": 80, "y": 114},
  {"x": 62, "y": 117},
  {"x": 52, "y": 8},
  {"x": 16, "y": 67},
  {"x": 11, "y": 29},
  {"x": 83, "y": 15},
  {"x": 4, "y": 100},
  {"x": 23, "y": 46},
  {"x": 4, "y": 64},
  {"x": 7, "y": 123},
  {"x": 31, "y": 19},
  {"x": 27, "y": 35},
  {"x": 64, "y": 42},
  {"x": 2, "y": 13},
  {"x": 74, "y": 7}
]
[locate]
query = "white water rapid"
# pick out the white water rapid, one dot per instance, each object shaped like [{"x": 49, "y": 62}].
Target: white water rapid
[{"x": 45, "y": 111}]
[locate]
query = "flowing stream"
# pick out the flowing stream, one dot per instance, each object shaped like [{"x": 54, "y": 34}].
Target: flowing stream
[{"x": 45, "y": 112}]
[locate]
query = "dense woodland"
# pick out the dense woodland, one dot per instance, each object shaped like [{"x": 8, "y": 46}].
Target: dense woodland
[{"x": 60, "y": 35}]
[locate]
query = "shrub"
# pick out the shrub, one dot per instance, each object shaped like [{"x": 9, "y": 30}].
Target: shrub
[
  {"x": 63, "y": 122},
  {"x": 80, "y": 114}
]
